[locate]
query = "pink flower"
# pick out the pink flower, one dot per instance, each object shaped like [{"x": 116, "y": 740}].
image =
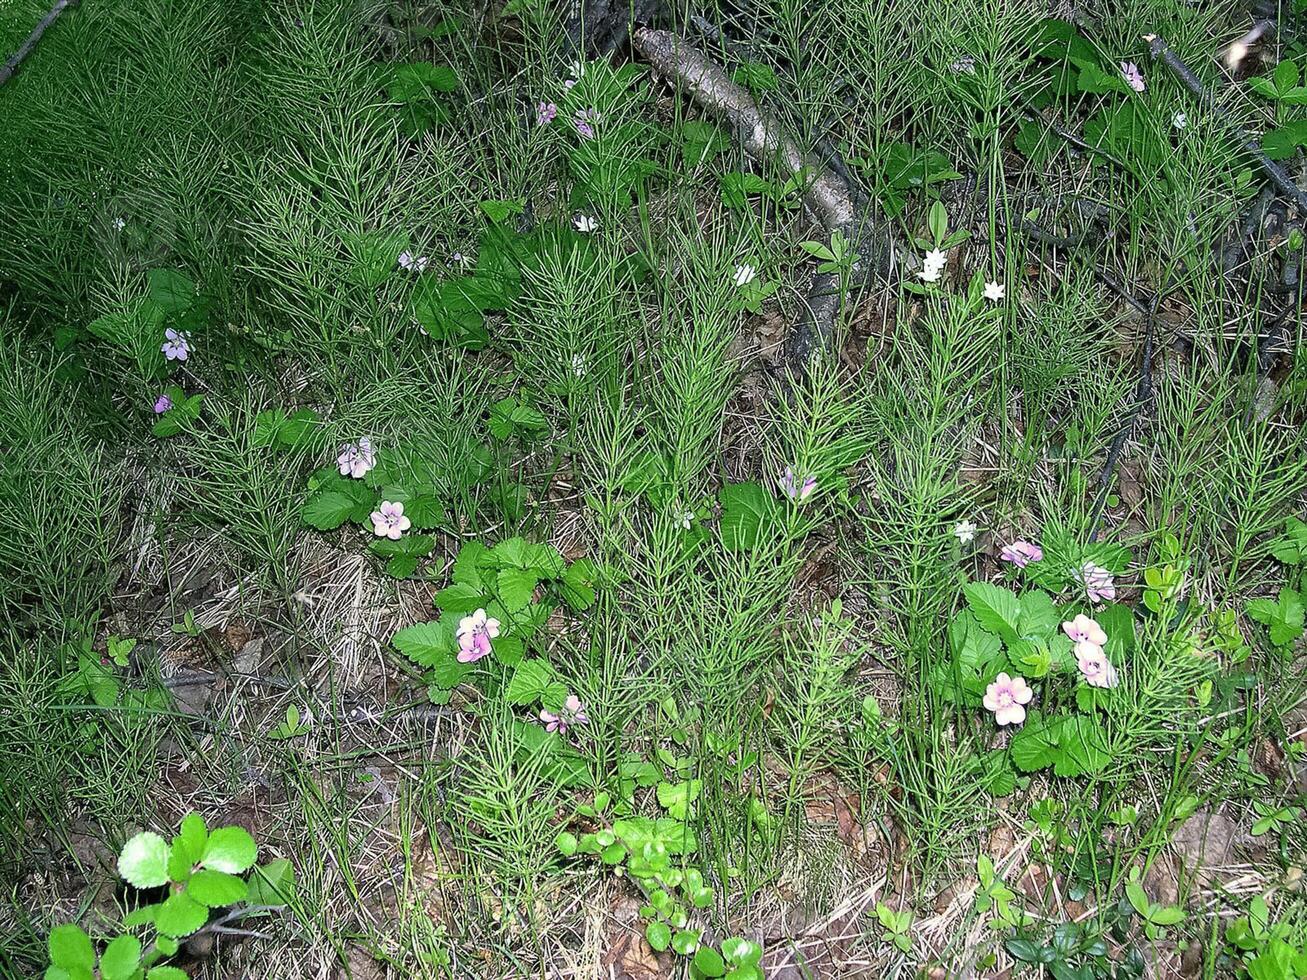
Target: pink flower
[
  {"x": 413, "y": 263},
  {"x": 1094, "y": 666},
  {"x": 1082, "y": 629},
  {"x": 1133, "y": 76},
  {"x": 795, "y": 489},
  {"x": 1007, "y": 698},
  {"x": 572, "y": 713},
  {"x": 162, "y": 404},
  {"x": 585, "y": 120},
  {"x": 474, "y": 635},
  {"x": 356, "y": 459},
  {"x": 1021, "y": 553},
  {"x": 546, "y": 112},
  {"x": 389, "y": 521},
  {"x": 176, "y": 345},
  {"x": 1097, "y": 581}
]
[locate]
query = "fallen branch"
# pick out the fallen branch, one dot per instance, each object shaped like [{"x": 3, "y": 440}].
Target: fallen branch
[
  {"x": 1143, "y": 398},
  {"x": 827, "y": 195},
  {"x": 18, "y": 56},
  {"x": 1277, "y": 174}
]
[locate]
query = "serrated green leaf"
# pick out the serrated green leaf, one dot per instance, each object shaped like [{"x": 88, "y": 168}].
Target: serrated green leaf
[
  {"x": 167, "y": 973},
  {"x": 120, "y": 958},
  {"x": 516, "y": 587},
  {"x": 426, "y": 644},
  {"x": 577, "y": 585},
  {"x": 995, "y": 608},
  {"x": 143, "y": 862},
  {"x": 658, "y": 935},
  {"x": 529, "y": 681},
  {"x": 70, "y": 947},
  {"x": 216, "y": 888},
  {"x": 327, "y": 510},
  {"x": 459, "y": 598},
  {"x": 180, "y": 915},
  {"x": 230, "y": 849}
]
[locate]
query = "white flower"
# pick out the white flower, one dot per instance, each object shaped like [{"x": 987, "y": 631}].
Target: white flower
[
  {"x": 412, "y": 263},
  {"x": 585, "y": 224},
  {"x": 686, "y": 520},
  {"x": 460, "y": 261},
  {"x": 578, "y": 365},
  {"x": 965, "y": 531},
  {"x": 575, "y": 72},
  {"x": 1180, "y": 120},
  {"x": 745, "y": 274},
  {"x": 965, "y": 65},
  {"x": 932, "y": 265},
  {"x": 119, "y": 224},
  {"x": 994, "y": 291}
]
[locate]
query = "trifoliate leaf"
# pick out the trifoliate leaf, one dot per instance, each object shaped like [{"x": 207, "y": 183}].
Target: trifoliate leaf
[
  {"x": 1034, "y": 747},
  {"x": 144, "y": 861},
  {"x": 216, "y": 888},
  {"x": 230, "y": 849},
  {"x": 180, "y": 915},
  {"x": 120, "y": 958},
  {"x": 71, "y": 948}
]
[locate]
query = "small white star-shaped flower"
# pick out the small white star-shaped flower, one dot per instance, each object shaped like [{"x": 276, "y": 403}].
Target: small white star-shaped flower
[
  {"x": 745, "y": 274},
  {"x": 965, "y": 531},
  {"x": 585, "y": 224},
  {"x": 1180, "y": 120},
  {"x": 994, "y": 291}
]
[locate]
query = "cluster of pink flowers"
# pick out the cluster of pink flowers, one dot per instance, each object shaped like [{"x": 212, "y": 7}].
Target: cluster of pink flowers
[
  {"x": 1089, "y": 639},
  {"x": 1022, "y": 553},
  {"x": 795, "y": 488},
  {"x": 572, "y": 713},
  {"x": 474, "y": 635},
  {"x": 1098, "y": 582},
  {"x": 356, "y": 459},
  {"x": 546, "y": 112},
  {"x": 585, "y": 120}
]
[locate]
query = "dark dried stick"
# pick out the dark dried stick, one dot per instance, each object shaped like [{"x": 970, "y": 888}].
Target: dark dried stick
[
  {"x": 826, "y": 195},
  {"x": 1143, "y": 398},
  {"x": 1277, "y": 174},
  {"x": 18, "y": 56}
]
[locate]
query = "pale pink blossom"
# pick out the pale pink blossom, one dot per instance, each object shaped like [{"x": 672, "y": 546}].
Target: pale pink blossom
[
  {"x": 176, "y": 344},
  {"x": 356, "y": 458},
  {"x": 1097, "y": 581},
  {"x": 1094, "y": 666},
  {"x": 1021, "y": 553},
  {"x": 474, "y": 635},
  {"x": 572, "y": 713},
  {"x": 1133, "y": 76},
  {"x": 413, "y": 263},
  {"x": 546, "y": 112},
  {"x": 389, "y": 521},
  {"x": 1082, "y": 629},
  {"x": 796, "y": 489},
  {"x": 585, "y": 120},
  {"x": 1007, "y": 698}
]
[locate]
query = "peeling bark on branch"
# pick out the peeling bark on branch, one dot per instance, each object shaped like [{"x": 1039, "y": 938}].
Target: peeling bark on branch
[{"x": 826, "y": 195}]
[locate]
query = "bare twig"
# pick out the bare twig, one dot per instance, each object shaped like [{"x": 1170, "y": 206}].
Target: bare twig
[
  {"x": 1277, "y": 174},
  {"x": 18, "y": 56},
  {"x": 826, "y": 194},
  {"x": 1143, "y": 398}
]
